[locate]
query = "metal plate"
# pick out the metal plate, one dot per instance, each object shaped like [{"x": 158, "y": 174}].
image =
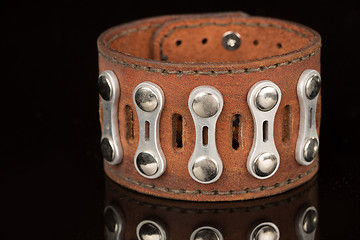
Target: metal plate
[
  {"x": 307, "y": 128},
  {"x": 260, "y": 145},
  {"x": 205, "y": 157},
  {"x": 110, "y": 121},
  {"x": 149, "y": 140}
]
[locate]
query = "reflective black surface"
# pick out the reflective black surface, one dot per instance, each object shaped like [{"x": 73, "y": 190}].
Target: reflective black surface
[
  {"x": 291, "y": 215},
  {"x": 52, "y": 179}
]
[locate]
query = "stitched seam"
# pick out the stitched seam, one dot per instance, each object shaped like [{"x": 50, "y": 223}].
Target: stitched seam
[
  {"x": 216, "y": 192},
  {"x": 250, "y": 24},
  {"x": 214, "y": 210},
  {"x": 165, "y": 71}
]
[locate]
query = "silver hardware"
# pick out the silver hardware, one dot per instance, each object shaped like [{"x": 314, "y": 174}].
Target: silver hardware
[
  {"x": 114, "y": 223},
  {"x": 311, "y": 148},
  {"x": 312, "y": 86},
  {"x": 150, "y": 230},
  {"x": 231, "y": 40},
  {"x": 265, "y": 164},
  {"x": 206, "y": 233},
  {"x": 205, "y": 104},
  {"x": 147, "y": 163},
  {"x": 149, "y": 102},
  {"x": 307, "y": 145},
  {"x": 205, "y": 169},
  {"x": 266, "y": 98},
  {"x": 104, "y": 86},
  {"x": 263, "y": 99},
  {"x": 146, "y": 99},
  {"x": 306, "y": 223},
  {"x": 265, "y": 231},
  {"x": 109, "y": 89}
]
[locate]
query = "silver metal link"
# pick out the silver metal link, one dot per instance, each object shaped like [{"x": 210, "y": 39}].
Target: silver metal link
[
  {"x": 149, "y": 102},
  {"x": 263, "y": 99},
  {"x": 205, "y": 104},
  {"x": 110, "y": 140},
  {"x": 307, "y": 145}
]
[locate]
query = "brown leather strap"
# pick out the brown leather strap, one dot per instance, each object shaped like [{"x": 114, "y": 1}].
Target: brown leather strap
[{"x": 180, "y": 53}]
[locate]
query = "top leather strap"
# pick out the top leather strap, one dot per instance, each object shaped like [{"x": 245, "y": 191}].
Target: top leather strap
[{"x": 182, "y": 52}]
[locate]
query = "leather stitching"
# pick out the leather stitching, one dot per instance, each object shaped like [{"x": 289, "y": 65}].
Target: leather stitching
[
  {"x": 214, "y": 210},
  {"x": 165, "y": 71},
  {"x": 215, "y": 192},
  {"x": 249, "y": 24}
]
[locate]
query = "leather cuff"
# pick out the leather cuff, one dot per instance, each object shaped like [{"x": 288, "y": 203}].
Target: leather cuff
[{"x": 210, "y": 107}]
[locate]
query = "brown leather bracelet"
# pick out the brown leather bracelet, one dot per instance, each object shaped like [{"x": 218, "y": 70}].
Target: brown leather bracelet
[{"x": 211, "y": 107}]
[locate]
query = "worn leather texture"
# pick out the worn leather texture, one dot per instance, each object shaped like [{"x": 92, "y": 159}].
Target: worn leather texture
[{"x": 171, "y": 52}]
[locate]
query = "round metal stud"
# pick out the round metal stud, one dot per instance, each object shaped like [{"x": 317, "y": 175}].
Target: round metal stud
[
  {"x": 265, "y": 232},
  {"x": 104, "y": 87},
  {"x": 310, "y": 221},
  {"x": 107, "y": 149},
  {"x": 149, "y": 230},
  {"x": 147, "y": 163},
  {"x": 311, "y": 149},
  {"x": 266, "y": 98},
  {"x": 231, "y": 40},
  {"x": 110, "y": 220},
  {"x": 205, "y": 169},
  {"x": 205, "y": 104},
  {"x": 312, "y": 86},
  {"x": 146, "y": 99},
  {"x": 206, "y": 234},
  {"x": 265, "y": 164}
]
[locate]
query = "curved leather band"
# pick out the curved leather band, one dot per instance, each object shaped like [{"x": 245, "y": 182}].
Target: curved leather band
[{"x": 171, "y": 52}]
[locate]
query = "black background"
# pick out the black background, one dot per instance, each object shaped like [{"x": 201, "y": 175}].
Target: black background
[{"x": 52, "y": 177}]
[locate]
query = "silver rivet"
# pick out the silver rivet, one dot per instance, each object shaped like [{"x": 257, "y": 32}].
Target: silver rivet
[
  {"x": 104, "y": 87},
  {"x": 266, "y": 98},
  {"x": 206, "y": 234},
  {"x": 205, "y": 104},
  {"x": 146, "y": 99},
  {"x": 107, "y": 149},
  {"x": 265, "y": 164},
  {"x": 147, "y": 163},
  {"x": 205, "y": 169},
  {"x": 231, "y": 40},
  {"x": 150, "y": 230},
  {"x": 310, "y": 221},
  {"x": 312, "y": 86},
  {"x": 266, "y": 232},
  {"x": 311, "y": 149}
]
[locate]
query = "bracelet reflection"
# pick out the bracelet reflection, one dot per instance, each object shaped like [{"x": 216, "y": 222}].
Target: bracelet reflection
[{"x": 129, "y": 215}]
